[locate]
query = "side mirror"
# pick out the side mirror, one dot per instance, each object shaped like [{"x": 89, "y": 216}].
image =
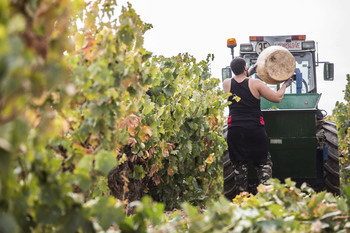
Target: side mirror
[
  {"x": 328, "y": 71},
  {"x": 226, "y": 73}
]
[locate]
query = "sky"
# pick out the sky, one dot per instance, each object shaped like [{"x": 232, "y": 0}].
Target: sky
[{"x": 200, "y": 27}]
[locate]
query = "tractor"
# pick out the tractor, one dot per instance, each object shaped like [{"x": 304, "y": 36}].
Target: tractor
[{"x": 305, "y": 149}]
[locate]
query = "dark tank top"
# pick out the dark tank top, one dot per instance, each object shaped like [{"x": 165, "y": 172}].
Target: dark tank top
[{"x": 245, "y": 108}]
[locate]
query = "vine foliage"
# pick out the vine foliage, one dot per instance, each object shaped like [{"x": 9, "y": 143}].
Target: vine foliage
[
  {"x": 91, "y": 121},
  {"x": 87, "y": 113}
]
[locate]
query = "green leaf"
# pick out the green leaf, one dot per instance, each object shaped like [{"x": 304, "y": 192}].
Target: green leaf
[
  {"x": 154, "y": 211},
  {"x": 126, "y": 34},
  {"x": 75, "y": 219},
  {"x": 105, "y": 161},
  {"x": 139, "y": 172},
  {"x": 189, "y": 146},
  {"x": 83, "y": 179},
  {"x": 316, "y": 199},
  {"x": 85, "y": 163},
  {"x": 190, "y": 210},
  {"x": 50, "y": 193},
  {"x": 270, "y": 225},
  {"x": 131, "y": 108},
  {"x": 179, "y": 112},
  {"x": 289, "y": 182},
  {"x": 8, "y": 224},
  {"x": 169, "y": 90},
  {"x": 148, "y": 107},
  {"x": 47, "y": 214},
  {"x": 106, "y": 212},
  {"x": 277, "y": 210},
  {"x": 346, "y": 191}
]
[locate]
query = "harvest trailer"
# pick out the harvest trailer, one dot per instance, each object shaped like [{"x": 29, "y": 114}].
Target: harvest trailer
[{"x": 305, "y": 149}]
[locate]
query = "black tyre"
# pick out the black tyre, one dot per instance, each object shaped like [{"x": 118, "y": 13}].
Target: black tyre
[
  {"x": 331, "y": 164},
  {"x": 229, "y": 181}
]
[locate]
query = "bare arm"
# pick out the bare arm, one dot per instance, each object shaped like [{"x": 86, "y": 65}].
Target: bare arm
[
  {"x": 269, "y": 94},
  {"x": 226, "y": 85}
]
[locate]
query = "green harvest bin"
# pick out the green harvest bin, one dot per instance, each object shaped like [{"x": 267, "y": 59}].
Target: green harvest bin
[{"x": 291, "y": 128}]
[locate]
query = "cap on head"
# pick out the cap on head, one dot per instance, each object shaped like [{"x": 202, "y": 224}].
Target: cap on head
[{"x": 238, "y": 65}]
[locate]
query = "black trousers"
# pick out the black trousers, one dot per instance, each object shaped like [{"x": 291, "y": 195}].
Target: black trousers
[{"x": 248, "y": 143}]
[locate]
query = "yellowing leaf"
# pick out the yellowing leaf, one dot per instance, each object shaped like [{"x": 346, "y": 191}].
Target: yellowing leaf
[
  {"x": 316, "y": 199},
  {"x": 170, "y": 146},
  {"x": 151, "y": 151},
  {"x": 165, "y": 153},
  {"x": 131, "y": 122},
  {"x": 265, "y": 188},
  {"x": 253, "y": 201},
  {"x": 237, "y": 98},
  {"x": 131, "y": 130},
  {"x": 170, "y": 171},
  {"x": 55, "y": 97},
  {"x": 210, "y": 159},
  {"x": 79, "y": 40},
  {"x": 132, "y": 141},
  {"x": 213, "y": 121},
  {"x": 144, "y": 133},
  {"x": 241, "y": 198},
  {"x": 94, "y": 140},
  {"x": 156, "y": 179},
  {"x": 147, "y": 130},
  {"x": 145, "y": 154},
  {"x": 89, "y": 49},
  {"x": 131, "y": 108},
  {"x": 33, "y": 117},
  {"x": 154, "y": 169},
  {"x": 39, "y": 100},
  {"x": 122, "y": 159}
]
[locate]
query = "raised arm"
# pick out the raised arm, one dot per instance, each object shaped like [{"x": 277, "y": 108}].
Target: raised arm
[{"x": 269, "y": 94}]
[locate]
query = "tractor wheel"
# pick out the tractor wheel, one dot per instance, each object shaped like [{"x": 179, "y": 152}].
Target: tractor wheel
[
  {"x": 229, "y": 181},
  {"x": 331, "y": 165}
]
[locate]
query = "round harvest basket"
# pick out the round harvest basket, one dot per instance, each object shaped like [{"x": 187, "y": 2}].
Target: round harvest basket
[{"x": 275, "y": 65}]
